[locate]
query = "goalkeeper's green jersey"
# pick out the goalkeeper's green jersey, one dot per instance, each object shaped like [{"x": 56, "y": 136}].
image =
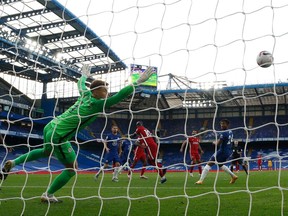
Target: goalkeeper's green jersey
[{"x": 85, "y": 110}]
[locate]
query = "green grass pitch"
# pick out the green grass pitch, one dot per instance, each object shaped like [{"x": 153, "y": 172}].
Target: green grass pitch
[{"x": 260, "y": 193}]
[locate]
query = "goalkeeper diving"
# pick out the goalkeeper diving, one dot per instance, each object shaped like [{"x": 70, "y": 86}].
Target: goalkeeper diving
[{"x": 59, "y": 131}]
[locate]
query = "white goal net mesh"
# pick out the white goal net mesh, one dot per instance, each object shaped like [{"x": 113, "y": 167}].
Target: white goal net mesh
[{"x": 204, "y": 53}]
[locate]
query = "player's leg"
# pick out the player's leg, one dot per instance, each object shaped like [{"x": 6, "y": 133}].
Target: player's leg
[
  {"x": 237, "y": 166},
  {"x": 152, "y": 156},
  {"x": 197, "y": 161},
  {"x": 207, "y": 168},
  {"x": 135, "y": 161},
  {"x": 221, "y": 158},
  {"x": 144, "y": 164},
  {"x": 125, "y": 162},
  {"x": 102, "y": 168},
  {"x": 32, "y": 155},
  {"x": 116, "y": 170},
  {"x": 244, "y": 166},
  {"x": 232, "y": 164},
  {"x": 123, "y": 166},
  {"x": 107, "y": 159},
  {"x": 154, "y": 162},
  {"x": 205, "y": 171},
  {"x": 228, "y": 171},
  {"x": 192, "y": 165},
  {"x": 66, "y": 155}
]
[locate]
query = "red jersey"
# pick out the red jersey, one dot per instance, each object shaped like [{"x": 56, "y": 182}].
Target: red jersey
[
  {"x": 259, "y": 160},
  {"x": 139, "y": 154},
  {"x": 194, "y": 145},
  {"x": 139, "y": 150},
  {"x": 145, "y": 136}
]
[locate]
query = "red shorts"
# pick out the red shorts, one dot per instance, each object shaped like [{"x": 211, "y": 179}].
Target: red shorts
[
  {"x": 141, "y": 156},
  {"x": 152, "y": 150},
  {"x": 195, "y": 156}
]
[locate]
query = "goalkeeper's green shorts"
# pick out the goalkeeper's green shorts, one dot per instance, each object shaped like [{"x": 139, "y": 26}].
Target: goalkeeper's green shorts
[{"x": 63, "y": 151}]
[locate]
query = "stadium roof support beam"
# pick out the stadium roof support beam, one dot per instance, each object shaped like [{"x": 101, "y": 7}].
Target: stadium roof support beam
[
  {"x": 3, "y": 2},
  {"x": 65, "y": 14},
  {"x": 56, "y": 37},
  {"x": 40, "y": 58},
  {"x": 88, "y": 58},
  {"x": 257, "y": 93},
  {"x": 232, "y": 96},
  {"x": 14, "y": 17},
  {"x": 34, "y": 59},
  {"x": 75, "y": 48},
  {"x": 43, "y": 27},
  {"x": 15, "y": 90},
  {"x": 176, "y": 80},
  {"x": 21, "y": 71},
  {"x": 107, "y": 67},
  {"x": 163, "y": 102}
]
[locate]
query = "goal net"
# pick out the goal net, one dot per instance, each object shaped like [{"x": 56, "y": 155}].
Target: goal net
[{"x": 203, "y": 54}]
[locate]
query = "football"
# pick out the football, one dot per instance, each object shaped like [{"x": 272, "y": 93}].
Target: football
[{"x": 265, "y": 59}]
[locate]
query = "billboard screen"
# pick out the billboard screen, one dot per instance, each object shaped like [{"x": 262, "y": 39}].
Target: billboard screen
[{"x": 137, "y": 70}]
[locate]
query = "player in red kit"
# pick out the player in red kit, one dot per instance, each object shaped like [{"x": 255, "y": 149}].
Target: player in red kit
[
  {"x": 145, "y": 137},
  {"x": 139, "y": 154},
  {"x": 194, "y": 146},
  {"x": 259, "y": 162}
]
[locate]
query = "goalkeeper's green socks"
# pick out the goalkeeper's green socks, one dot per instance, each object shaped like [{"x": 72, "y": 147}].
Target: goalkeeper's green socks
[
  {"x": 60, "y": 181},
  {"x": 30, "y": 156}
]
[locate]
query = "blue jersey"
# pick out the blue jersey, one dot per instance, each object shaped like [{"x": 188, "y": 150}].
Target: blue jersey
[
  {"x": 113, "y": 141},
  {"x": 225, "y": 149},
  {"x": 126, "y": 146},
  {"x": 227, "y": 139}
]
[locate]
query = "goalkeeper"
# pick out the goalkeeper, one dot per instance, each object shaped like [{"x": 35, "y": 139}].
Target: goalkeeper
[{"x": 58, "y": 132}]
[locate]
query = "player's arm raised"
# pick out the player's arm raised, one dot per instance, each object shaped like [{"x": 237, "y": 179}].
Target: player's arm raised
[
  {"x": 145, "y": 76},
  {"x": 120, "y": 148},
  {"x": 106, "y": 146},
  {"x": 183, "y": 145},
  {"x": 82, "y": 81},
  {"x": 125, "y": 92},
  {"x": 218, "y": 142},
  {"x": 200, "y": 149}
]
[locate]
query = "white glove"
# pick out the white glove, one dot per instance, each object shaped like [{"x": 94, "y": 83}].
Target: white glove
[
  {"x": 145, "y": 75},
  {"x": 86, "y": 70}
]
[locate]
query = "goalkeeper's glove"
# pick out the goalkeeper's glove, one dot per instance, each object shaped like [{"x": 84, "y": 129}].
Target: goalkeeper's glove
[
  {"x": 145, "y": 76},
  {"x": 86, "y": 70}
]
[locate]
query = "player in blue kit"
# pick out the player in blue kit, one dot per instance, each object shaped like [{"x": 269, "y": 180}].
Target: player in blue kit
[
  {"x": 225, "y": 150},
  {"x": 112, "y": 146},
  {"x": 125, "y": 154}
]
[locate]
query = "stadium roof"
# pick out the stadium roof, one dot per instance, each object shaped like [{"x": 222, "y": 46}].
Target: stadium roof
[
  {"x": 260, "y": 96},
  {"x": 42, "y": 40},
  {"x": 45, "y": 37}
]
